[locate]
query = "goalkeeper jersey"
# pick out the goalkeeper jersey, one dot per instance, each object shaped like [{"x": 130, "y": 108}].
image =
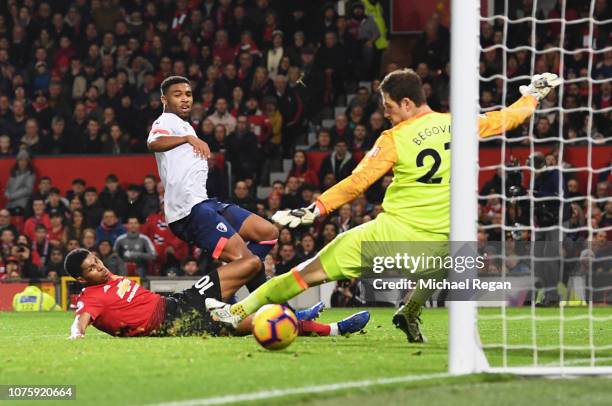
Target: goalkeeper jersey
[{"x": 418, "y": 152}]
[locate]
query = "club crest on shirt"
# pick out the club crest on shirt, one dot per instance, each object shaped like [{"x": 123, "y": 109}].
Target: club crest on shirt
[{"x": 221, "y": 227}]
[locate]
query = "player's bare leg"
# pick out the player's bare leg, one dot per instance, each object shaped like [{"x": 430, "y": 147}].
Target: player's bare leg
[
  {"x": 258, "y": 230},
  {"x": 261, "y": 236},
  {"x": 241, "y": 266}
]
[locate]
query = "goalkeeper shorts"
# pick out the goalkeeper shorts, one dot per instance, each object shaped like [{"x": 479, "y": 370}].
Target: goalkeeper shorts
[{"x": 342, "y": 258}]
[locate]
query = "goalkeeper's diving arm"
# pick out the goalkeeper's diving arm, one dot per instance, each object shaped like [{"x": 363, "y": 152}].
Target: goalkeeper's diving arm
[
  {"x": 374, "y": 165},
  {"x": 506, "y": 119},
  {"x": 377, "y": 162}
]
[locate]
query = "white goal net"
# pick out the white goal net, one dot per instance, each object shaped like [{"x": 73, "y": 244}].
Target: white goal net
[{"x": 541, "y": 207}]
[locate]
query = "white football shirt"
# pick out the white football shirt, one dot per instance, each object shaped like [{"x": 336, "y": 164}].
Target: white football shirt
[{"x": 182, "y": 173}]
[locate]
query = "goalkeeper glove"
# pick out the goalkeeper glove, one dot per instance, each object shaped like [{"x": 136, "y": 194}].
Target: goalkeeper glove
[
  {"x": 540, "y": 85},
  {"x": 297, "y": 217}
]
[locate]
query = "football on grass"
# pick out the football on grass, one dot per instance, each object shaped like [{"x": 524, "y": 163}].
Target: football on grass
[{"x": 275, "y": 326}]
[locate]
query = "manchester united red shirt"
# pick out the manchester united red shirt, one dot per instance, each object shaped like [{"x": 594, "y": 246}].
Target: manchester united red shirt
[{"x": 122, "y": 307}]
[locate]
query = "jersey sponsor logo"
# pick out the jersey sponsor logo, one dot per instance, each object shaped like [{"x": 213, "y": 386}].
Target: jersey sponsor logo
[
  {"x": 221, "y": 227},
  {"x": 123, "y": 287},
  {"x": 203, "y": 284},
  {"x": 133, "y": 293}
]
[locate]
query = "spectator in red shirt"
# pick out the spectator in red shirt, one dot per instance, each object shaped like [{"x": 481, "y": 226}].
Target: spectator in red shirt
[
  {"x": 169, "y": 248},
  {"x": 301, "y": 170},
  {"x": 56, "y": 232},
  {"x": 39, "y": 217},
  {"x": 222, "y": 48},
  {"x": 260, "y": 124}
]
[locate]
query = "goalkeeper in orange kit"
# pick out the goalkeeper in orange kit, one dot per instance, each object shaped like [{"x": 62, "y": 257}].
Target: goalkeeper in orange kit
[{"x": 416, "y": 206}]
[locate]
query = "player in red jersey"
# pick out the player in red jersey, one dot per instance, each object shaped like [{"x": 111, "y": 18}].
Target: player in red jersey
[
  {"x": 121, "y": 307},
  {"x": 164, "y": 241}
]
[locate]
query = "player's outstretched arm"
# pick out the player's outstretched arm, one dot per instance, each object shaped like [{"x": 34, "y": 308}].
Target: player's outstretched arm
[
  {"x": 497, "y": 122},
  {"x": 377, "y": 162},
  {"x": 168, "y": 142},
  {"x": 80, "y": 323}
]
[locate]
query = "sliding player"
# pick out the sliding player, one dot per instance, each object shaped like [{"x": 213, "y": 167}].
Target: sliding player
[
  {"x": 416, "y": 204},
  {"x": 121, "y": 307},
  {"x": 220, "y": 229}
]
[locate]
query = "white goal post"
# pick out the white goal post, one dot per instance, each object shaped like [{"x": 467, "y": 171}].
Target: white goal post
[{"x": 466, "y": 354}]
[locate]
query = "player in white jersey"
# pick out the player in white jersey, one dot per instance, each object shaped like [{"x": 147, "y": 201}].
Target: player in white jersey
[{"x": 220, "y": 229}]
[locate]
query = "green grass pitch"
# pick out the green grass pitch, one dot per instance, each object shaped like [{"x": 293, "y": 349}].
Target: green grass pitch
[{"x": 139, "y": 371}]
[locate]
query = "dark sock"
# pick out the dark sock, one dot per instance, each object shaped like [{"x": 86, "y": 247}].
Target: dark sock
[{"x": 257, "y": 280}]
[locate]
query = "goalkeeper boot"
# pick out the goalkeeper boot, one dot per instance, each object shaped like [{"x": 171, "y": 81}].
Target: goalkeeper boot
[
  {"x": 353, "y": 323},
  {"x": 409, "y": 324},
  {"x": 310, "y": 313}
]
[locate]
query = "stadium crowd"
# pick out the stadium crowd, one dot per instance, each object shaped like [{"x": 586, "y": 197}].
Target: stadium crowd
[
  {"x": 558, "y": 188},
  {"x": 265, "y": 74}
]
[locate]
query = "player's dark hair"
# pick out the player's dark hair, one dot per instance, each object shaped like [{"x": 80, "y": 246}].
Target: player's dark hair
[
  {"x": 172, "y": 80},
  {"x": 403, "y": 83},
  {"x": 74, "y": 261}
]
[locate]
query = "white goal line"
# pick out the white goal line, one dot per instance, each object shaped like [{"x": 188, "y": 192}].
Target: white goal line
[{"x": 275, "y": 393}]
